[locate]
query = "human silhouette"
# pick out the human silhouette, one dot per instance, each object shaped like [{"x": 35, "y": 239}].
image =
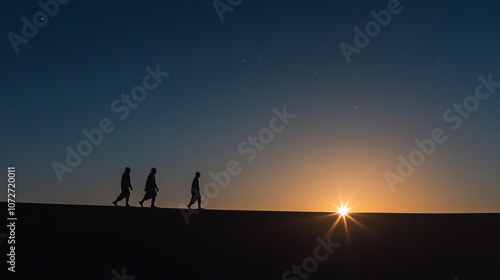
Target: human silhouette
[
  {"x": 195, "y": 192},
  {"x": 150, "y": 189},
  {"x": 125, "y": 185}
]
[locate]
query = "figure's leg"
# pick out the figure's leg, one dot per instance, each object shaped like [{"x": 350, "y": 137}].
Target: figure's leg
[
  {"x": 120, "y": 197},
  {"x": 191, "y": 201},
  {"x": 197, "y": 197},
  {"x": 142, "y": 201},
  {"x": 126, "y": 199}
]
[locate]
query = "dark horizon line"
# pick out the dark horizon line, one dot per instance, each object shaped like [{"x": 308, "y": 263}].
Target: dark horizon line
[{"x": 259, "y": 210}]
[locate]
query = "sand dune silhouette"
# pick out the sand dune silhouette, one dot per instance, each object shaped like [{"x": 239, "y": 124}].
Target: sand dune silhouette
[{"x": 100, "y": 242}]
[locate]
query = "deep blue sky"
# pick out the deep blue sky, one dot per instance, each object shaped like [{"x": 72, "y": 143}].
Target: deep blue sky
[{"x": 353, "y": 120}]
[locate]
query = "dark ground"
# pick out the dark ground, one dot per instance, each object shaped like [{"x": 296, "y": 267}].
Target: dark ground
[{"x": 89, "y": 242}]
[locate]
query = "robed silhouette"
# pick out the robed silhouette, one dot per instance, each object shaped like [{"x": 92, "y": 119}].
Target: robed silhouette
[
  {"x": 150, "y": 189},
  {"x": 195, "y": 192}
]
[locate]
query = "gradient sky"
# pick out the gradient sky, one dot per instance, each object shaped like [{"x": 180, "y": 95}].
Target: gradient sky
[{"x": 352, "y": 121}]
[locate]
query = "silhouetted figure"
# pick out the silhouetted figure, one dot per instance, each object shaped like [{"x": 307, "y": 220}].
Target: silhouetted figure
[
  {"x": 195, "y": 192},
  {"x": 150, "y": 189},
  {"x": 125, "y": 185}
]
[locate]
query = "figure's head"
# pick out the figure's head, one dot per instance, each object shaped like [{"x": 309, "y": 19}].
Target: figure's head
[
  {"x": 197, "y": 174},
  {"x": 153, "y": 170},
  {"x": 127, "y": 170}
]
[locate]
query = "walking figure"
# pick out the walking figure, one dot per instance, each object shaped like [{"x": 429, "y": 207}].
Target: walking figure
[
  {"x": 195, "y": 192},
  {"x": 150, "y": 189},
  {"x": 125, "y": 185}
]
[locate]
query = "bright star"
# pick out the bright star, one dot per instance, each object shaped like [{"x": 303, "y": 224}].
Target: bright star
[{"x": 343, "y": 210}]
